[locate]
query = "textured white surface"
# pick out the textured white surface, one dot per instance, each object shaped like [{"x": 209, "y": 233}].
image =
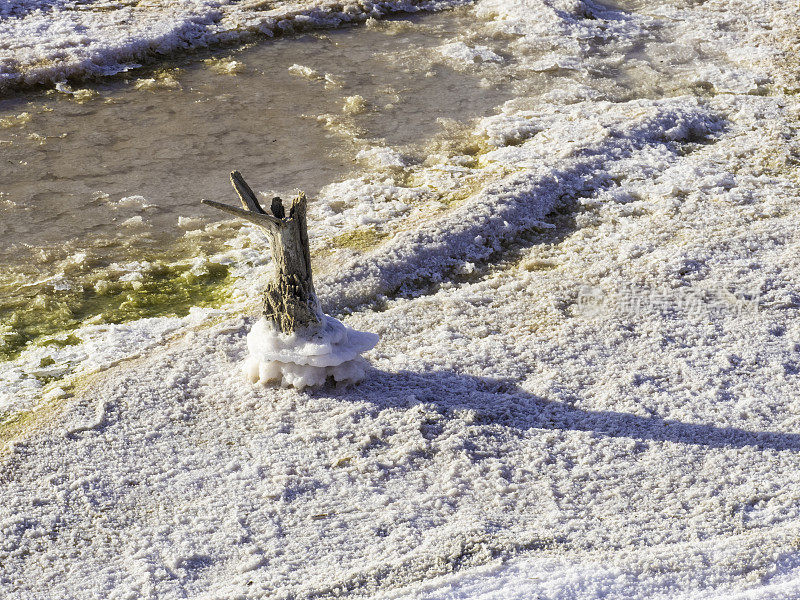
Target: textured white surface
[
  {"x": 587, "y": 380},
  {"x": 301, "y": 360}
]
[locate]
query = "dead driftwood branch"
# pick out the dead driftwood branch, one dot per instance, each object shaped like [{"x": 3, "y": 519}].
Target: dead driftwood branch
[{"x": 289, "y": 299}]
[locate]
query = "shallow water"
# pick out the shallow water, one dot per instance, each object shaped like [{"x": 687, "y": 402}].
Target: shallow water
[
  {"x": 174, "y": 142},
  {"x": 96, "y": 179}
]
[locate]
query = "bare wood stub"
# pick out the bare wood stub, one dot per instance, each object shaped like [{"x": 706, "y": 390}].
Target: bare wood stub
[{"x": 289, "y": 299}]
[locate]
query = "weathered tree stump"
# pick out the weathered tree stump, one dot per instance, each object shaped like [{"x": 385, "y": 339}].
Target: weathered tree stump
[
  {"x": 295, "y": 343},
  {"x": 289, "y": 299}
]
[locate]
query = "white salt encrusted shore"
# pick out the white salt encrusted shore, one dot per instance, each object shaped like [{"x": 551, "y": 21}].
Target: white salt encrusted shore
[
  {"x": 48, "y": 42},
  {"x": 594, "y": 416},
  {"x": 306, "y": 359}
]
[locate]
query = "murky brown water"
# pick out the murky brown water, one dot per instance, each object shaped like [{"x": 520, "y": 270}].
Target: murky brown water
[{"x": 174, "y": 145}]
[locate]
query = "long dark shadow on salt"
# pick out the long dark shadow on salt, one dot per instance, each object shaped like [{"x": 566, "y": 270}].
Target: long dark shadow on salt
[{"x": 504, "y": 403}]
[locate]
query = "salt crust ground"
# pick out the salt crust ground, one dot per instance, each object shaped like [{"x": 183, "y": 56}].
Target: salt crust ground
[
  {"x": 614, "y": 403},
  {"x": 49, "y": 41}
]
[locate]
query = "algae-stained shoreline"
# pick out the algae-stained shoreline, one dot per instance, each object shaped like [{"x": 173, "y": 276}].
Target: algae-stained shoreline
[
  {"x": 103, "y": 39},
  {"x": 587, "y": 377}
]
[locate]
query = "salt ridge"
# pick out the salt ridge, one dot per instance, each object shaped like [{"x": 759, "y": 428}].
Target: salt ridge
[{"x": 48, "y": 43}]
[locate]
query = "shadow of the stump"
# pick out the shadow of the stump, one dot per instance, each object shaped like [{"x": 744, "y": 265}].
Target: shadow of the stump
[{"x": 504, "y": 403}]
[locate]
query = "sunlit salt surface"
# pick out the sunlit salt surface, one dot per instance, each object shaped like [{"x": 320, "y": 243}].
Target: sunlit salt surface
[{"x": 588, "y": 312}]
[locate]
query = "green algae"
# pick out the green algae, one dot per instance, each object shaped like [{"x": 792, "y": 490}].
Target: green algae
[
  {"x": 43, "y": 315},
  {"x": 47, "y": 361},
  {"x": 70, "y": 340},
  {"x": 48, "y": 378},
  {"x": 359, "y": 239},
  {"x": 12, "y": 425}
]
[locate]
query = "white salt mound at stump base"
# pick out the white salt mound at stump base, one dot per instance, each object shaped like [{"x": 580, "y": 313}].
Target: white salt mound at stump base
[{"x": 307, "y": 358}]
